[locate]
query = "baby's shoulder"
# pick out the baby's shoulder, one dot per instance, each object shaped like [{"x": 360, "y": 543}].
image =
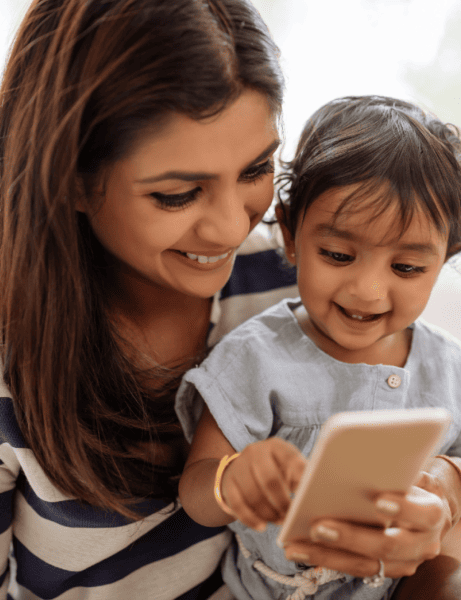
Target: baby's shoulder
[
  {"x": 436, "y": 352},
  {"x": 437, "y": 338},
  {"x": 267, "y": 323}
]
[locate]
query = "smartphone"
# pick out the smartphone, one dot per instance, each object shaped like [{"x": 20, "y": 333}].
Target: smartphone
[{"x": 358, "y": 455}]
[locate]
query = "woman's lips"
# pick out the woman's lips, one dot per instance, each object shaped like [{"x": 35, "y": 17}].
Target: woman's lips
[{"x": 204, "y": 260}]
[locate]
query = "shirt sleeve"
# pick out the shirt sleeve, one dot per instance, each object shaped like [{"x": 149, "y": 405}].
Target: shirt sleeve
[
  {"x": 8, "y": 476},
  {"x": 233, "y": 382}
]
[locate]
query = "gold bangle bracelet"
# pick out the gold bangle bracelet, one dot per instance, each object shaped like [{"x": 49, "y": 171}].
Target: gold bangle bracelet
[{"x": 223, "y": 464}]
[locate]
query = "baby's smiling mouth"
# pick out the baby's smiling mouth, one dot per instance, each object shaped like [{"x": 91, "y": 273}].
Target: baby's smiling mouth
[{"x": 359, "y": 315}]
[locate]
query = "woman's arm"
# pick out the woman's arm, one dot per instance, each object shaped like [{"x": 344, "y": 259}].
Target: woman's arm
[{"x": 256, "y": 486}]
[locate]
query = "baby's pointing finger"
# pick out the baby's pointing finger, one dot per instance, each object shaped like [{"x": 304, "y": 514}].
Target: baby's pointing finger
[
  {"x": 292, "y": 463},
  {"x": 242, "y": 511},
  {"x": 271, "y": 482}
]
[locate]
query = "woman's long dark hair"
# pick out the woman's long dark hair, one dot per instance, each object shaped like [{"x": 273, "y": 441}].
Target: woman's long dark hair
[
  {"x": 391, "y": 148},
  {"x": 84, "y": 78}
]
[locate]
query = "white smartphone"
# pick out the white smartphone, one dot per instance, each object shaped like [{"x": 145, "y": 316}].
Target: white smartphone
[{"x": 356, "y": 456}]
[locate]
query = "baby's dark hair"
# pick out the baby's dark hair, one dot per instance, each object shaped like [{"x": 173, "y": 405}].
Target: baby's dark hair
[{"x": 392, "y": 149}]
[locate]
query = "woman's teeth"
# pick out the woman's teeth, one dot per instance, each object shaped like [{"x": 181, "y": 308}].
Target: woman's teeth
[{"x": 206, "y": 259}]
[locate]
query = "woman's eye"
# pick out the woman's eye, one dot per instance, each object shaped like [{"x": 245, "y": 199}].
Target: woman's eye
[
  {"x": 338, "y": 257},
  {"x": 176, "y": 201},
  {"x": 407, "y": 269},
  {"x": 258, "y": 171}
]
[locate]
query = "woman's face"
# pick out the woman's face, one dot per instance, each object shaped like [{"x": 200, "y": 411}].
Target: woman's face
[{"x": 176, "y": 209}]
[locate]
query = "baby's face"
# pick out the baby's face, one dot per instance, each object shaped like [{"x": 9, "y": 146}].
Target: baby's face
[{"x": 361, "y": 288}]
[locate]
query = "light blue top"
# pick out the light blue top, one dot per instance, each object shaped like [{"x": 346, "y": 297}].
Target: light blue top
[{"x": 268, "y": 378}]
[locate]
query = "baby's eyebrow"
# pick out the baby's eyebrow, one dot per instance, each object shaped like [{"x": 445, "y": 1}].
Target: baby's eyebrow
[
  {"x": 327, "y": 230},
  {"x": 421, "y": 248}
]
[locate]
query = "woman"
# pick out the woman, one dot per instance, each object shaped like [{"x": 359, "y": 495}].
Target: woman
[{"x": 136, "y": 145}]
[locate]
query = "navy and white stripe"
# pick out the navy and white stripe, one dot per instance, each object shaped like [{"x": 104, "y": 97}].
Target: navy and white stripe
[{"x": 52, "y": 547}]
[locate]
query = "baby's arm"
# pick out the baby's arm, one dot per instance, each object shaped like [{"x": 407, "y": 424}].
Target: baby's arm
[{"x": 256, "y": 486}]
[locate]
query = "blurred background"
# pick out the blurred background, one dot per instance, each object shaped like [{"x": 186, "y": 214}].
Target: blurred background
[{"x": 410, "y": 49}]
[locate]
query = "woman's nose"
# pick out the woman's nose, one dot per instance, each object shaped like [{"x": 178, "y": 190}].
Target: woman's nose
[{"x": 226, "y": 221}]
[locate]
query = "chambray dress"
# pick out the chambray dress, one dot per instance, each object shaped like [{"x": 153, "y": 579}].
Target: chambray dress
[{"x": 268, "y": 378}]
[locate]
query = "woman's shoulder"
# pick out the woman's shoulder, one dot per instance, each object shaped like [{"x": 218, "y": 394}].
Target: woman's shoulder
[{"x": 260, "y": 265}]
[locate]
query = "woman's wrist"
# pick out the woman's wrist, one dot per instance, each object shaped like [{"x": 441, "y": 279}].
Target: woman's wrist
[{"x": 447, "y": 471}]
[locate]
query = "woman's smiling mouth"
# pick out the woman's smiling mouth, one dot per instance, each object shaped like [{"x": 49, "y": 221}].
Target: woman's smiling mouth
[
  {"x": 204, "y": 259},
  {"x": 207, "y": 259}
]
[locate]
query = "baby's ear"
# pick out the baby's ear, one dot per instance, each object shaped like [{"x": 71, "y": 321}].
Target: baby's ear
[{"x": 290, "y": 250}]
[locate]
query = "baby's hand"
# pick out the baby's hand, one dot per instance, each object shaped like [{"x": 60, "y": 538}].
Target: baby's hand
[{"x": 257, "y": 486}]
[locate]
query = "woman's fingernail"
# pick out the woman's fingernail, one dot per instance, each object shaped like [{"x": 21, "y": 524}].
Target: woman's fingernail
[
  {"x": 392, "y": 531},
  {"x": 299, "y": 558},
  {"x": 387, "y": 506},
  {"x": 324, "y": 533}
]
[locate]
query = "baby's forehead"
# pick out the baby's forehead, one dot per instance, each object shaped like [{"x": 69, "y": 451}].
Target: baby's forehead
[{"x": 380, "y": 228}]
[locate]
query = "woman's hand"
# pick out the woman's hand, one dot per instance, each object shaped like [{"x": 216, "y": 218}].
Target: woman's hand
[
  {"x": 417, "y": 523},
  {"x": 257, "y": 486}
]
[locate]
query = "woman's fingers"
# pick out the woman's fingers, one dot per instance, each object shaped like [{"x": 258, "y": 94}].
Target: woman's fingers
[
  {"x": 339, "y": 560},
  {"x": 419, "y": 510},
  {"x": 393, "y": 543},
  {"x": 413, "y": 536}
]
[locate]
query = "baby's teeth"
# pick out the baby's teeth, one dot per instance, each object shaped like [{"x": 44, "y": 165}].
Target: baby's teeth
[
  {"x": 192, "y": 256},
  {"x": 202, "y": 259},
  {"x": 357, "y": 317}
]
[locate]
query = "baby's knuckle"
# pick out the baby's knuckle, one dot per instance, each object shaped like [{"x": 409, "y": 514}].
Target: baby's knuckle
[{"x": 272, "y": 483}]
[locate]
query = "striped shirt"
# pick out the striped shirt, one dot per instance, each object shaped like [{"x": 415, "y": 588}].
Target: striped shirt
[{"x": 52, "y": 547}]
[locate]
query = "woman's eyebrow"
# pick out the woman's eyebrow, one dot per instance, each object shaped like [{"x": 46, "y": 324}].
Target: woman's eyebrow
[
  {"x": 202, "y": 175},
  {"x": 265, "y": 153},
  {"x": 326, "y": 230}
]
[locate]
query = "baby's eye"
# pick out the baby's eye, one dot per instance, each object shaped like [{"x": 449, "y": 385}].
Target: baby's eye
[
  {"x": 176, "y": 201},
  {"x": 407, "y": 270},
  {"x": 258, "y": 171},
  {"x": 338, "y": 257}
]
